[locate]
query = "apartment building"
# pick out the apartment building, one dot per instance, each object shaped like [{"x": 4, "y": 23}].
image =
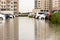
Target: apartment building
[
  {"x": 42, "y": 6},
  {"x": 56, "y": 4},
  {"x": 9, "y": 5}
]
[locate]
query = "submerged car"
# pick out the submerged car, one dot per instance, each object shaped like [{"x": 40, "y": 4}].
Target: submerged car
[
  {"x": 42, "y": 15},
  {"x": 2, "y": 16},
  {"x": 36, "y": 16},
  {"x": 9, "y": 16}
]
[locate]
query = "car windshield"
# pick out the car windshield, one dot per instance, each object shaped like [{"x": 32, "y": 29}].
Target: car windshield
[{"x": 40, "y": 13}]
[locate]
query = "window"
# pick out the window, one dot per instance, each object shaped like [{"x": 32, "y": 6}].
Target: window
[
  {"x": 3, "y": 9},
  {"x": 15, "y": 2},
  {"x": 3, "y": 2},
  {"x": 41, "y": 10},
  {"x": 11, "y": 2},
  {"x": 14, "y": 5},
  {"x": 45, "y": 10},
  {"x": 38, "y": 1},
  {"x": 8, "y": 5},
  {"x": 3, "y": 6},
  {"x": 15, "y": 9},
  {"x": 8, "y": 9}
]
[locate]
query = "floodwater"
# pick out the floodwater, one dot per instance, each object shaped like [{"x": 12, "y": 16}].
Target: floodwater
[
  {"x": 9, "y": 29},
  {"x": 24, "y": 28}
]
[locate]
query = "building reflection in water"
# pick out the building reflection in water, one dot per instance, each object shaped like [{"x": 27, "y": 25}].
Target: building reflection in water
[
  {"x": 45, "y": 31},
  {"x": 9, "y": 29},
  {"x": 41, "y": 30}
]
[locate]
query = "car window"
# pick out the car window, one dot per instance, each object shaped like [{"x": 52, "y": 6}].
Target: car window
[{"x": 40, "y": 13}]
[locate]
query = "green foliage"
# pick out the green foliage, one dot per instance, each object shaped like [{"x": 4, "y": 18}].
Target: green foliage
[
  {"x": 56, "y": 18},
  {"x": 30, "y": 16}
]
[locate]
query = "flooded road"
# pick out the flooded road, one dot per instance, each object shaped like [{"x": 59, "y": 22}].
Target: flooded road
[
  {"x": 9, "y": 29},
  {"x": 24, "y": 28},
  {"x": 44, "y": 30}
]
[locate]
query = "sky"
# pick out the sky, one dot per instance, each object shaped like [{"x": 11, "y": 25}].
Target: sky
[{"x": 26, "y": 5}]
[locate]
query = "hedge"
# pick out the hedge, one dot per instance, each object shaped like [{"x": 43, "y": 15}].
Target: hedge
[{"x": 55, "y": 18}]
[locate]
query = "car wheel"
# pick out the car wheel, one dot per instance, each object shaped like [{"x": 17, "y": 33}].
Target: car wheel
[
  {"x": 46, "y": 18},
  {"x": 38, "y": 17},
  {"x": 42, "y": 18},
  {"x": 13, "y": 16}
]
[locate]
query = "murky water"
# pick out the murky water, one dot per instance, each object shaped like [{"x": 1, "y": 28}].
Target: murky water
[
  {"x": 9, "y": 29},
  {"x": 44, "y": 30},
  {"x": 24, "y": 28}
]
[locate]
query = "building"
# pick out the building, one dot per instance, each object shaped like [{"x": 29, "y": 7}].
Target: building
[
  {"x": 9, "y": 5},
  {"x": 56, "y": 4},
  {"x": 42, "y": 6},
  {"x": 46, "y": 5}
]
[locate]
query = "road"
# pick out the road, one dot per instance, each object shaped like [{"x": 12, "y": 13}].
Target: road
[{"x": 24, "y": 28}]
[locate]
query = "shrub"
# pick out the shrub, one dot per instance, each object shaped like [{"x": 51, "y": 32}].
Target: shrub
[
  {"x": 55, "y": 18},
  {"x": 30, "y": 16}
]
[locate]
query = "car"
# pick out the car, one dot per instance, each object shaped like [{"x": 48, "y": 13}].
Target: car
[
  {"x": 47, "y": 15},
  {"x": 2, "y": 16},
  {"x": 31, "y": 15},
  {"x": 42, "y": 16},
  {"x": 9, "y": 16},
  {"x": 36, "y": 16}
]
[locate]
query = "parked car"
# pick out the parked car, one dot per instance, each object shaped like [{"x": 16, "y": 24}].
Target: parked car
[
  {"x": 31, "y": 15},
  {"x": 9, "y": 16},
  {"x": 36, "y": 16},
  {"x": 49, "y": 16},
  {"x": 42, "y": 15},
  {"x": 2, "y": 16}
]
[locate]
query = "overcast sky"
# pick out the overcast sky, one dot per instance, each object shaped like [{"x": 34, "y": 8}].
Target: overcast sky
[{"x": 26, "y": 5}]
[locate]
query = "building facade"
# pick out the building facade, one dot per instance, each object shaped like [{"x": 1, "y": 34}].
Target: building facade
[
  {"x": 42, "y": 6},
  {"x": 9, "y": 5},
  {"x": 56, "y": 4},
  {"x": 46, "y": 5}
]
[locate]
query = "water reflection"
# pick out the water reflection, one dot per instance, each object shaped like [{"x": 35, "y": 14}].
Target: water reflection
[
  {"x": 1, "y": 29},
  {"x": 24, "y": 28},
  {"x": 45, "y": 31},
  {"x": 8, "y": 29}
]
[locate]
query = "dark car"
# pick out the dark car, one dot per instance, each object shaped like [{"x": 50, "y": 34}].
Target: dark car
[
  {"x": 9, "y": 16},
  {"x": 6, "y": 16}
]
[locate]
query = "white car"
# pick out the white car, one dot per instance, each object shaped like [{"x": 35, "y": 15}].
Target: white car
[
  {"x": 2, "y": 16},
  {"x": 11, "y": 16},
  {"x": 42, "y": 16},
  {"x": 36, "y": 15}
]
